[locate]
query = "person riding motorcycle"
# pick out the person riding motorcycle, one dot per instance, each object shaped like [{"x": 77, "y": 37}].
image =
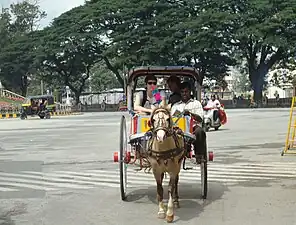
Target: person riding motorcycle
[{"x": 215, "y": 104}]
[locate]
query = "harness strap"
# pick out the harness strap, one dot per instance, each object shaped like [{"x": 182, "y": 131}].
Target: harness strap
[{"x": 169, "y": 154}]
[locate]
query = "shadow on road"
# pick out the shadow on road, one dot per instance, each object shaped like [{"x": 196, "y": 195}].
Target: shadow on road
[
  {"x": 5, "y": 215},
  {"x": 191, "y": 204}
]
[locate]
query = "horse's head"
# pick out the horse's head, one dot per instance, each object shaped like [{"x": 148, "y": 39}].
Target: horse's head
[{"x": 161, "y": 121}]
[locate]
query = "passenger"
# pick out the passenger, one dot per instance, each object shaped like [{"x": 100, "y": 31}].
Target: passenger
[
  {"x": 144, "y": 100},
  {"x": 174, "y": 83},
  {"x": 190, "y": 106}
]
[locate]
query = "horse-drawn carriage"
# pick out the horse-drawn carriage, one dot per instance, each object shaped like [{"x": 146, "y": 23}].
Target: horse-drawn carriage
[{"x": 133, "y": 146}]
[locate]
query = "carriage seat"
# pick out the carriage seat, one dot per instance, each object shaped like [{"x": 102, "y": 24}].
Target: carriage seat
[{"x": 137, "y": 137}]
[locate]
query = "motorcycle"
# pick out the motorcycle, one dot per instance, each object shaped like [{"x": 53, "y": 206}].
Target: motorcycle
[{"x": 209, "y": 121}]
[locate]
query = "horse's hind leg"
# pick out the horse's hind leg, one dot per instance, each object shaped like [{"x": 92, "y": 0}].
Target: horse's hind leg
[
  {"x": 176, "y": 193},
  {"x": 159, "y": 178},
  {"x": 171, "y": 190}
]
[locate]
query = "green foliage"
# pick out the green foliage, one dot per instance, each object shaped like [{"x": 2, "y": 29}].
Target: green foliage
[
  {"x": 17, "y": 46},
  {"x": 5, "y": 35},
  {"x": 102, "y": 79},
  {"x": 264, "y": 34},
  {"x": 27, "y": 17},
  {"x": 65, "y": 56},
  {"x": 99, "y": 39},
  {"x": 163, "y": 33}
]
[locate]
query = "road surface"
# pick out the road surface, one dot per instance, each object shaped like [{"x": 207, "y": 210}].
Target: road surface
[{"x": 60, "y": 172}]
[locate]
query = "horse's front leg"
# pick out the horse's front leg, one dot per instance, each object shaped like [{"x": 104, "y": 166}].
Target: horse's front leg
[
  {"x": 176, "y": 187},
  {"x": 176, "y": 193},
  {"x": 171, "y": 191},
  {"x": 159, "y": 178}
]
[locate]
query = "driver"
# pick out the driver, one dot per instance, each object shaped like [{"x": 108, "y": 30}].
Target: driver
[
  {"x": 190, "y": 106},
  {"x": 174, "y": 83},
  {"x": 214, "y": 103},
  {"x": 144, "y": 100}
]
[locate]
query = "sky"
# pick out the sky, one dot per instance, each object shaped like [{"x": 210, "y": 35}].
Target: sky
[{"x": 53, "y": 8}]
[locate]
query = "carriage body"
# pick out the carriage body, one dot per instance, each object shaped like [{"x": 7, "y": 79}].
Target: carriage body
[
  {"x": 132, "y": 143},
  {"x": 140, "y": 124}
]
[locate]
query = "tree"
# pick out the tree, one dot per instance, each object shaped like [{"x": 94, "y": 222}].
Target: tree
[
  {"x": 27, "y": 16},
  {"x": 5, "y": 19},
  {"x": 102, "y": 78},
  {"x": 263, "y": 33},
  {"x": 18, "y": 63},
  {"x": 149, "y": 32},
  {"x": 18, "y": 46},
  {"x": 67, "y": 51}
]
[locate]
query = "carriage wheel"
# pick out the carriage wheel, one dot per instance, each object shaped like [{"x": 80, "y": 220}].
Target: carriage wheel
[
  {"x": 123, "y": 155},
  {"x": 204, "y": 176}
]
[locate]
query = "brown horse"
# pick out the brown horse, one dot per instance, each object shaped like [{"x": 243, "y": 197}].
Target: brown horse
[{"x": 165, "y": 153}]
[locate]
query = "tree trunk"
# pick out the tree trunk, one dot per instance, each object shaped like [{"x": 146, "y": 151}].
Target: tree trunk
[
  {"x": 24, "y": 90},
  {"x": 77, "y": 96},
  {"x": 115, "y": 71},
  {"x": 258, "y": 88},
  {"x": 24, "y": 85},
  {"x": 257, "y": 81}
]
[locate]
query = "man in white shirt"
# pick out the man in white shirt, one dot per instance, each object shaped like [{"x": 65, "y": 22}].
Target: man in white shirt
[{"x": 194, "y": 108}]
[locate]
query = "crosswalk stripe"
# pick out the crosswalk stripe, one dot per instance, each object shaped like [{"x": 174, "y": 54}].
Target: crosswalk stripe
[
  {"x": 7, "y": 189},
  {"x": 229, "y": 171},
  {"x": 55, "y": 180},
  {"x": 185, "y": 175},
  {"x": 218, "y": 172},
  {"x": 135, "y": 178},
  {"x": 24, "y": 185},
  {"x": 224, "y": 168}
]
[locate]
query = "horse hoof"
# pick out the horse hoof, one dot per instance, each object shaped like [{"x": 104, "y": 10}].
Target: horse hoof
[
  {"x": 176, "y": 205},
  {"x": 161, "y": 215},
  {"x": 170, "y": 219}
]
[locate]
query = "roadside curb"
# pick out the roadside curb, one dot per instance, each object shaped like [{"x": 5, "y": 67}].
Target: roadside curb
[
  {"x": 17, "y": 115},
  {"x": 9, "y": 115},
  {"x": 65, "y": 113}
]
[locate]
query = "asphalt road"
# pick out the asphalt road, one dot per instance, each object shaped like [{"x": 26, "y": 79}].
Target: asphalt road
[{"x": 61, "y": 172}]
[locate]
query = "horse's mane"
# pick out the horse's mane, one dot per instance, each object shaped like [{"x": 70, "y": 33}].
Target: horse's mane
[{"x": 163, "y": 106}]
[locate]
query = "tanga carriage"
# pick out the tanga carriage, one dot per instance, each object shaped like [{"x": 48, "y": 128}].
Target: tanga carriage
[{"x": 142, "y": 147}]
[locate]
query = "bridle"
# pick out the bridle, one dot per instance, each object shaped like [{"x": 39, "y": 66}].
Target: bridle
[
  {"x": 169, "y": 132},
  {"x": 161, "y": 125}
]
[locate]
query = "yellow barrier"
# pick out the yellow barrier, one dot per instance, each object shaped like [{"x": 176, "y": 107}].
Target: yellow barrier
[
  {"x": 9, "y": 115},
  {"x": 290, "y": 145},
  {"x": 17, "y": 115}
]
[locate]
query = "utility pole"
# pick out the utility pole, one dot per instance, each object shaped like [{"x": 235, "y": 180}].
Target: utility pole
[{"x": 41, "y": 87}]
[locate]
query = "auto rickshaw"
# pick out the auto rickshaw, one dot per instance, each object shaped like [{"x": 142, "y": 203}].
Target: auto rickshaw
[{"x": 40, "y": 105}]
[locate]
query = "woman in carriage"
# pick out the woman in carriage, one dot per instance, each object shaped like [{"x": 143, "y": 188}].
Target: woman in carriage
[{"x": 144, "y": 100}]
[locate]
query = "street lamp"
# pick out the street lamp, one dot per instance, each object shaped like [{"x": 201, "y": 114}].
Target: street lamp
[
  {"x": 68, "y": 103},
  {"x": 213, "y": 84}
]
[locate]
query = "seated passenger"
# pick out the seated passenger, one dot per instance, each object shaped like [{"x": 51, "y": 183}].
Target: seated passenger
[
  {"x": 174, "y": 86},
  {"x": 144, "y": 100},
  {"x": 194, "y": 108}
]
